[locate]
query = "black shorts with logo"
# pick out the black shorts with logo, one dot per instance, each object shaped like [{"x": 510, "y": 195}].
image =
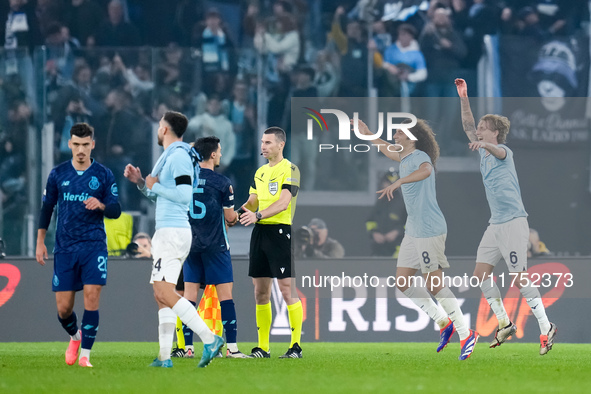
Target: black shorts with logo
[{"x": 271, "y": 254}]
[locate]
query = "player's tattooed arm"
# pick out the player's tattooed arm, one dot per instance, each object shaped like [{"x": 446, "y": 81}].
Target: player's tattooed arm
[{"x": 467, "y": 117}]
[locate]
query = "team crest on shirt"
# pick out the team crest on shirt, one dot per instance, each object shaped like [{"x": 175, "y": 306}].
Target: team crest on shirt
[
  {"x": 273, "y": 187},
  {"x": 94, "y": 183},
  {"x": 114, "y": 190}
]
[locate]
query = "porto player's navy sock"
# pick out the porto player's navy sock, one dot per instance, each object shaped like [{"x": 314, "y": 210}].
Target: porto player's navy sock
[
  {"x": 90, "y": 324},
  {"x": 70, "y": 323},
  {"x": 229, "y": 321}
]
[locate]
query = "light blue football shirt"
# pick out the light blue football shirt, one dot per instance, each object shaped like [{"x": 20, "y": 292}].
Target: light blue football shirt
[
  {"x": 425, "y": 219},
  {"x": 172, "y": 200},
  {"x": 501, "y": 186}
]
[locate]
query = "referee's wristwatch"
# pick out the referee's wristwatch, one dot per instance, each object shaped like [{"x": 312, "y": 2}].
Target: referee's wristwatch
[{"x": 259, "y": 216}]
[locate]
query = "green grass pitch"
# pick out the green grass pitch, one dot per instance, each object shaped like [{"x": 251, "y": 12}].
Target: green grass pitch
[{"x": 326, "y": 367}]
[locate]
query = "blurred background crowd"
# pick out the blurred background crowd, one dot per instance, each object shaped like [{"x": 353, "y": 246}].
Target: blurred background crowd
[{"x": 232, "y": 67}]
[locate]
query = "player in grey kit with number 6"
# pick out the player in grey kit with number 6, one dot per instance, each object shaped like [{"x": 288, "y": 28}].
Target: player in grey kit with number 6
[{"x": 508, "y": 232}]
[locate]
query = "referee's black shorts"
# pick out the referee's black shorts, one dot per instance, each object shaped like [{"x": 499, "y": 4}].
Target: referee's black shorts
[{"x": 271, "y": 252}]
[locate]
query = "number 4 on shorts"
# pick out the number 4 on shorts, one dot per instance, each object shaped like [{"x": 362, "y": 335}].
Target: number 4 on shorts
[{"x": 157, "y": 264}]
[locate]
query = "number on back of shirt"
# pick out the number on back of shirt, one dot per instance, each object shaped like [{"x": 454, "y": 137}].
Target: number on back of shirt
[{"x": 197, "y": 208}]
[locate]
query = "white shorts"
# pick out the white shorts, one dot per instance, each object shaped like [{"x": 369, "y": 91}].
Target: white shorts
[
  {"x": 170, "y": 248},
  {"x": 506, "y": 240},
  {"x": 426, "y": 254}
]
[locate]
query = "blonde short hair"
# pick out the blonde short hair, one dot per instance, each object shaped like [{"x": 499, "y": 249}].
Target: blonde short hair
[{"x": 498, "y": 123}]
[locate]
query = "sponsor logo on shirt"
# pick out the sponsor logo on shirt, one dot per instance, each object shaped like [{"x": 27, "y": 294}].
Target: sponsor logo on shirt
[{"x": 75, "y": 197}]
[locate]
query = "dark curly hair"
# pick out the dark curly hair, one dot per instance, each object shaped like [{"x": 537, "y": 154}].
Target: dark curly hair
[{"x": 425, "y": 140}]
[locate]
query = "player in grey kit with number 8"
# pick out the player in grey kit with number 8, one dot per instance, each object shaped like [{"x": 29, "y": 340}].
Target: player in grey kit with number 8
[{"x": 423, "y": 245}]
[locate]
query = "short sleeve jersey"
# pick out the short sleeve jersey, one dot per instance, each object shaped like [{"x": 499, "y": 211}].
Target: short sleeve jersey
[
  {"x": 77, "y": 227},
  {"x": 268, "y": 184},
  {"x": 425, "y": 219},
  {"x": 213, "y": 194},
  {"x": 501, "y": 186}
]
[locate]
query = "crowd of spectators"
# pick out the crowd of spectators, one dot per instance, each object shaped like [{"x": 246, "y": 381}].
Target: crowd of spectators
[{"x": 119, "y": 64}]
